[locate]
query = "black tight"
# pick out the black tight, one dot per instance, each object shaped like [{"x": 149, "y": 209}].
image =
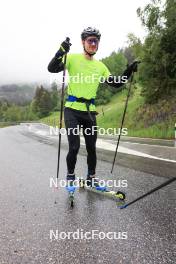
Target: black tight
[{"x": 74, "y": 120}]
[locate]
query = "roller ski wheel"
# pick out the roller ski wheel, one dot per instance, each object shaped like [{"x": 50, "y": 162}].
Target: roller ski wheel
[
  {"x": 71, "y": 198},
  {"x": 81, "y": 183},
  {"x": 120, "y": 195}
]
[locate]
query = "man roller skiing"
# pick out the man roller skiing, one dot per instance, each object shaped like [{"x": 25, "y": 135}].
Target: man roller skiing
[{"x": 80, "y": 110}]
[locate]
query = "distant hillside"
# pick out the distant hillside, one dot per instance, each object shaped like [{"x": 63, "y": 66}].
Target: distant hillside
[{"x": 18, "y": 94}]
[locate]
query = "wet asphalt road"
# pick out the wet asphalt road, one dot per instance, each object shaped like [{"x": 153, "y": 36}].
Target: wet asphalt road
[{"x": 28, "y": 211}]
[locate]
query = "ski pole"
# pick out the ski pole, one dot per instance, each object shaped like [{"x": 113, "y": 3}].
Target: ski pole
[
  {"x": 61, "y": 110},
  {"x": 123, "y": 118},
  {"x": 150, "y": 192}
]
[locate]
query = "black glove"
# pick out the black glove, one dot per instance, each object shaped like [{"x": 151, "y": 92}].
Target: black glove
[
  {"x": 64, "y": 48},
  {"x": 133, "y": 67}
]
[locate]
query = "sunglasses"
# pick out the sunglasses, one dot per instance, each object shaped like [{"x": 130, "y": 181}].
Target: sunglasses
[{"x": 92, "y": 40}]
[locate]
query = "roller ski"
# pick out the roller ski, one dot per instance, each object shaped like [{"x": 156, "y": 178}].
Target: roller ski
[
  {"x": 70, "y": 187},
  {"x": 92, "y": 185}
]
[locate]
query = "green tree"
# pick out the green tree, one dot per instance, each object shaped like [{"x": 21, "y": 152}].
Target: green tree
[
  {"x": 42, "y": 102},
  {"x": 13, "y": 114},
  {"x": 135, "y": 47},
  {"x": 129, "y": 54},
  {"x": 54, "y": 96},
  {"x": 116, "y": 63},
  {"x": 1, "y": 112},
  {"x": 159, "y": 50}
]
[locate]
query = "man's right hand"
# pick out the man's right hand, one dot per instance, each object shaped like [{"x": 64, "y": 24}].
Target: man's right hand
[{"x": 64, "y": 48}]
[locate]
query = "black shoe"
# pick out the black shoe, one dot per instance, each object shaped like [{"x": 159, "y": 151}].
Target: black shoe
[
  {"x": 92, "y": 181},
  {"x": 70, "y": 179},
  {"x": 70, "y": 182}
]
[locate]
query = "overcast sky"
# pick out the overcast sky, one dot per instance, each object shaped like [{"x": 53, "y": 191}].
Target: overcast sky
[{"x": 31, "y": 32}]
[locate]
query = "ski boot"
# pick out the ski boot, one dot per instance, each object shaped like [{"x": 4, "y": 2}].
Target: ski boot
[
  {"x": 70, "y": 187},
  {"x": 93, "y": 182}
]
